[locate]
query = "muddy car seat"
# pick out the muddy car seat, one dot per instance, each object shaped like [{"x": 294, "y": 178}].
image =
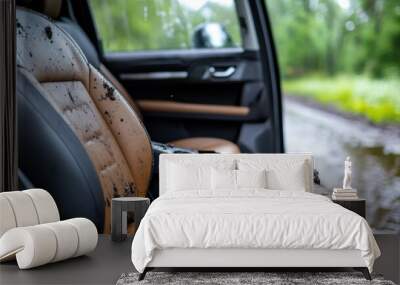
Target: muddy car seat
[
  {"x": 52, "y": 8},
  {"x": 79, "y": 137}
]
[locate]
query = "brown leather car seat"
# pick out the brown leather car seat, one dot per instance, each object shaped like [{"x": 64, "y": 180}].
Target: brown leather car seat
[
  {"x": 106, "y": 125},
  {"x": 52, "y": 8}
]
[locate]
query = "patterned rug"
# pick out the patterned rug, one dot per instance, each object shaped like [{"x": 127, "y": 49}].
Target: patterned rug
[{"x": 233, "y": 278}]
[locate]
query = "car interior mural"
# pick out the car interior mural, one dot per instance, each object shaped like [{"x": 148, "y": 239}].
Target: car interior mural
[{"x": 200, "y": 141}]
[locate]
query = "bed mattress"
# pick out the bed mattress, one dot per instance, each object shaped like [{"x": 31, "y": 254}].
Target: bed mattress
[{"x": 250, "y": 219}]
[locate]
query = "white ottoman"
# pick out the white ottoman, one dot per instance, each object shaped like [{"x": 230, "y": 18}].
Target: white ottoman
[{"x": 31, "y": 230}]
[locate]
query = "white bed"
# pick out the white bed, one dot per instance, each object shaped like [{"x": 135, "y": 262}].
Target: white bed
[{"x": 195, "y": 224}]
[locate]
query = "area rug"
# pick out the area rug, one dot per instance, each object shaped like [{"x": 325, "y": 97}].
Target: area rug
[{"x": 243, "y": 278}]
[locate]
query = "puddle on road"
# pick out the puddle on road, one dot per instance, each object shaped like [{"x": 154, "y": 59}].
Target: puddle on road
[{"x": 375, "y": 154}]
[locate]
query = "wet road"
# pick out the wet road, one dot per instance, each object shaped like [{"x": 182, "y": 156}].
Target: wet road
[{"x": 375, "y": 153}]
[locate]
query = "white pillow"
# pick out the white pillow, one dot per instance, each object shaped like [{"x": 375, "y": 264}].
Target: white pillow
[
  {"x": 182, "y": 178},
  {"x": 290, "y": 174},
  {"x": 251, "y": 178},
  {"x": 225, "y": 179}
]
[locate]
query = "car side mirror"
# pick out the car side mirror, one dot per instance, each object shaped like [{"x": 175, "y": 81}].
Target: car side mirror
[{"x": 211, "y": 35}]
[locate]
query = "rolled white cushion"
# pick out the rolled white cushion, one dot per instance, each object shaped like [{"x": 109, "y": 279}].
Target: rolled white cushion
[
  {"x": 7, "y": 218},
  {"x": 23, "y": 208},
  {"x": 87, "y": 234},
  {"x": 45, "y": 205},
  {"x": 33, "y": 246},
  {"x": 26, "y": 208},
  {"x": 67, "y": 240},
  {"x": 41, "y": 244}
]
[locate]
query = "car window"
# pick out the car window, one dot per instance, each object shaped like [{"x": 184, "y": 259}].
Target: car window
[{"x": 140, "y": 25}]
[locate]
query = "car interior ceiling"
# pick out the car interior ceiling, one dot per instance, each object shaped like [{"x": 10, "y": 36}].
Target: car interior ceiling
[{"x": 68, "y": 164}]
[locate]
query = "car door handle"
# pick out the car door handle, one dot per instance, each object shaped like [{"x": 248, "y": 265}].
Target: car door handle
[{"x": 228, "y": 72}]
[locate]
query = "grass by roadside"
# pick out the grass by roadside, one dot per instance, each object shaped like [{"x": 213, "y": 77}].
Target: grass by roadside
[{"x": 378, "y": 100}]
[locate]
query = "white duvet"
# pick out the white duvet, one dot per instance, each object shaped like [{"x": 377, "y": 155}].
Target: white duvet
[{"x": 250, "y": 219}]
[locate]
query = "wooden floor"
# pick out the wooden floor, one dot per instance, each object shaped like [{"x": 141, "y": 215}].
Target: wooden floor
[{"x": 110, "y": 260}]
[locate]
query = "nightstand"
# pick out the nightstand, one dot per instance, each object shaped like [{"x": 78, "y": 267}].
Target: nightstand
[
  {"x": 119, "y": 214},
  {"x": 358, "y": 206}
]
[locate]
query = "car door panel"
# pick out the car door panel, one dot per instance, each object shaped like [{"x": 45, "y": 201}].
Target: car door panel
[
  {"x": 179, "y": 88},
  {"x": 173, "y": 108}
]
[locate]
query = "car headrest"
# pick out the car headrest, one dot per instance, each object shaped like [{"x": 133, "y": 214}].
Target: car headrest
[
  {"x": 52, "y": 8},
  {"x": 46, "y": 51},
  {"x": 23, "y": 3}
]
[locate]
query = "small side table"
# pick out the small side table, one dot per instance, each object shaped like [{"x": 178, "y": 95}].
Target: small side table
[
  {"x": 119, "y": 214},
  {"x": 358, "y": 206}
]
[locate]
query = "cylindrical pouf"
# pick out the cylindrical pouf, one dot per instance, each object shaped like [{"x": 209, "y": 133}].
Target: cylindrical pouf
[
  {"x": 26, "y": 208},
  {"x": 33, "y": 246},
  {"x": 7, "y": 218},
  {"x": 41, "y": 244},
  {"x": 87, "y": 234},
  {"x": 23, "y": 208},
  {"x": 45, "y": 205},
  {"x": 67, "y": 240}
]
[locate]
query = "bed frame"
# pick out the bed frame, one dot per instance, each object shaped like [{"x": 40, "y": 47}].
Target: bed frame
[{"x": 242, "y": 259}]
